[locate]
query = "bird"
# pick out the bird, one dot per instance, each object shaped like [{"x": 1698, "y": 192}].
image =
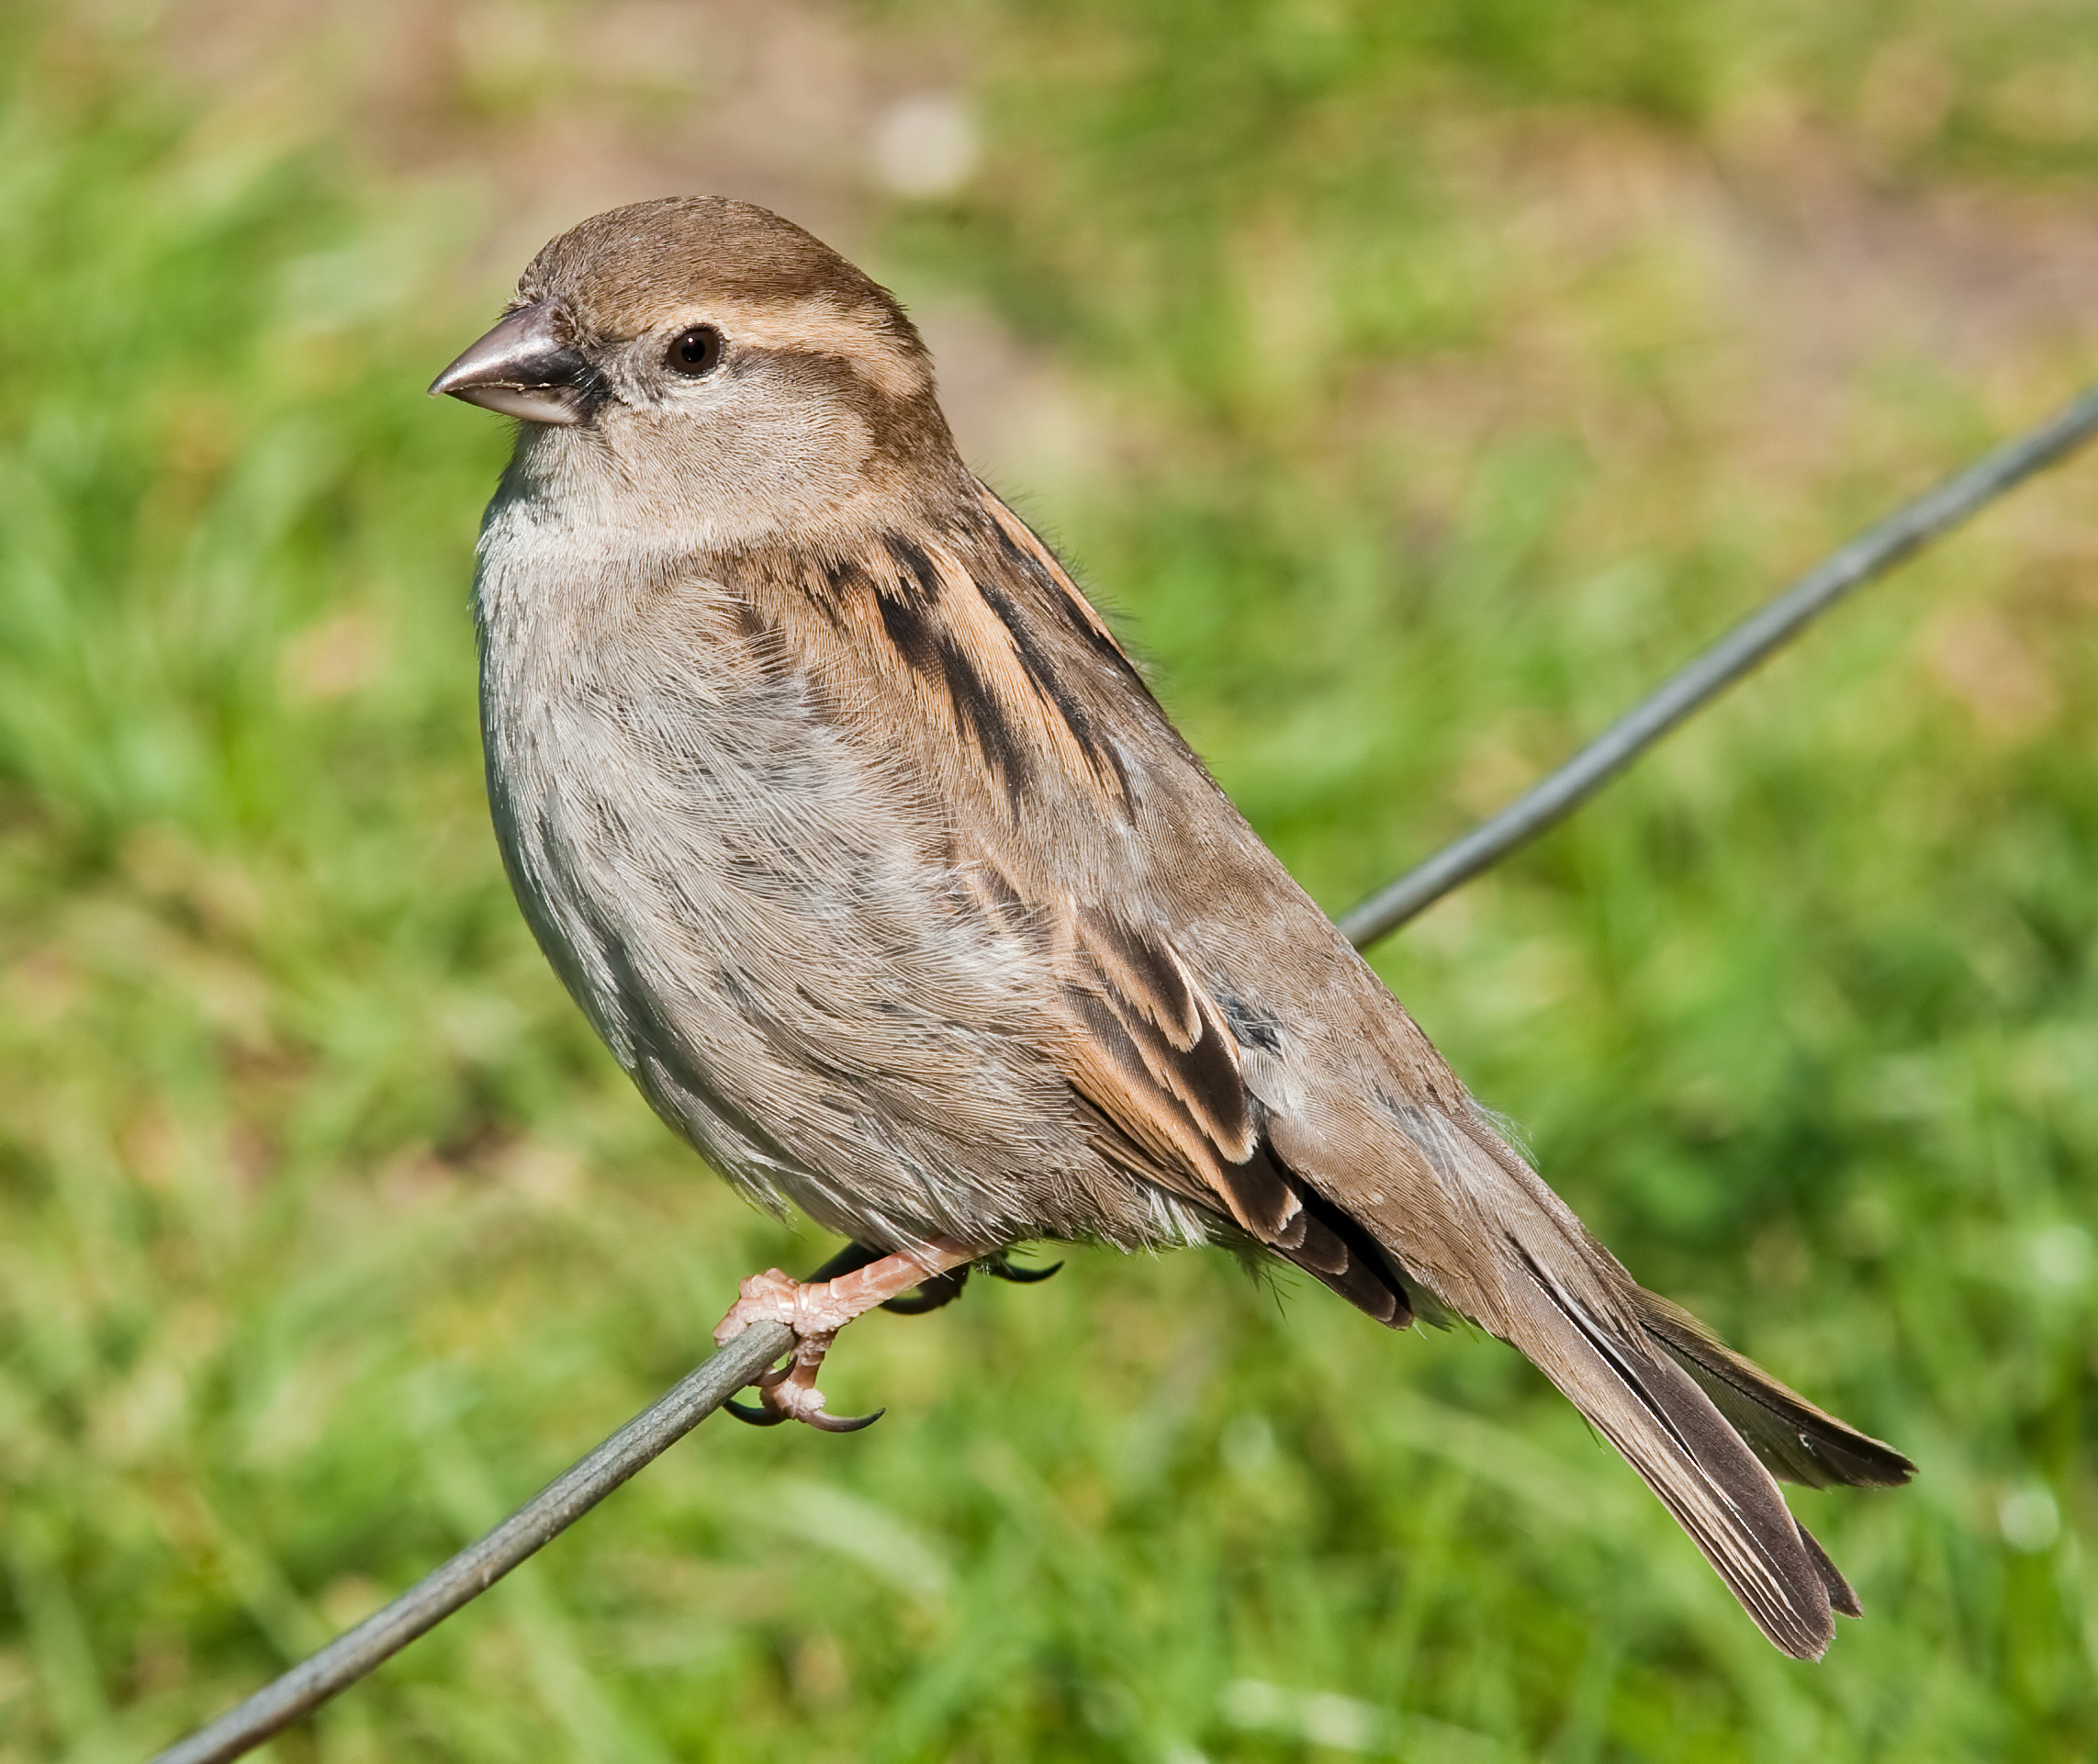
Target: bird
[{"x": 868, "y": 850}]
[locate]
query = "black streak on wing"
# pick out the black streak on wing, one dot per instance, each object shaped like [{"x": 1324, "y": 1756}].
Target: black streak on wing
[
  {"x": 928, "y": 649},
  {"x": 1163, "y": 1123},
  {"x": 1210, "y": 1076},
  {"x": 1143, "y": 971},
  {"x": 1171, "y": 1047},
  {"x": 1100, "y": 755},
  {"x": 1105, "y": 1029},
  {"x": 844, "y": 580},
  {"x": 907, "y": 604},
  {"x": 1181, "y": 1039},
  {"x": 1265, "y": 1200},
  {"x": 914, "y": 566},
  {"x": 917, "y": 640},
  {"x": 1254, "y": 1026},
  {"x": 1099, "y": 641},
  {"x": 1349, "y": 1260}
]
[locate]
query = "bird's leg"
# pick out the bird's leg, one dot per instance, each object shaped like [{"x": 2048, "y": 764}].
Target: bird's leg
[
  {"x": 815, "y": 1310},
  {"x": 942, "y": 1290}
]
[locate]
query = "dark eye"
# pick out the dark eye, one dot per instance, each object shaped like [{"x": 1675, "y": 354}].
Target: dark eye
[{"x": 696, "y": 351}]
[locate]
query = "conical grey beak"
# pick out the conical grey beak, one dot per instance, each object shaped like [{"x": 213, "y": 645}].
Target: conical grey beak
[{"x": 525, "y": 367}]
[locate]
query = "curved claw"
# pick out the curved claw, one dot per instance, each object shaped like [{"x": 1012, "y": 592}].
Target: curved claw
[
  {"x": 941, "y": 1289},
  {"x": 1020, "y": 1277},
  {"x": 842, "y": 1424},
  {"x": 790, "y": 1394}
]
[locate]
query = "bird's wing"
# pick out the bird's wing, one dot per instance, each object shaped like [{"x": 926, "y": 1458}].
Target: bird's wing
[
  {"x": 1151, "y": 1051},
  {"x": 969, "y": 663}
]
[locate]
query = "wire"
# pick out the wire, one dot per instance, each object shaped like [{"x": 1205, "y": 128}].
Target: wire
[
  {"x": 480, "y": 1566},
  {"x": 1754, "y": 640}
]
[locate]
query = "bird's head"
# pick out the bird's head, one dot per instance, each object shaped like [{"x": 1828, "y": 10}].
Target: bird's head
[{"x": 733, "y": 372}]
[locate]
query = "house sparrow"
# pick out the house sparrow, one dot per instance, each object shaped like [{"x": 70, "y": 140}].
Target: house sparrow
[{"x": 865, "y": 847}]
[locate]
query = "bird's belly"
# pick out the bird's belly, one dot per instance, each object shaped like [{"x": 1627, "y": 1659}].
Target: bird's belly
[{"x": 767, "y": 937}]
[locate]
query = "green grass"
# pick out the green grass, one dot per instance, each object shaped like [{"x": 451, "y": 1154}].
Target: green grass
[{"x": 1433, "y": 416}]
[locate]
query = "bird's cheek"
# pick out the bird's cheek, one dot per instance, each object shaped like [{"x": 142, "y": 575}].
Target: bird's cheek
[{"x": 795, "y": 453}]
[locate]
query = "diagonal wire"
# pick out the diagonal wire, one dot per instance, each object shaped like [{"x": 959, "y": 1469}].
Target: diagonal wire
[
  {"x": 1873, "y": 552},
  {"x": 652, "y": 1433},
  {"x": 480, "y": 1566}
]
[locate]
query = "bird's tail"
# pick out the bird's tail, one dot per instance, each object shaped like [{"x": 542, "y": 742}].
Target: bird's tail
[{"x": 1708, "y": 1430}]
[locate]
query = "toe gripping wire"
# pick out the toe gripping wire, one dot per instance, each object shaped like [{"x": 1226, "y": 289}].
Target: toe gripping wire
[{"x": 941, "y": 1289}]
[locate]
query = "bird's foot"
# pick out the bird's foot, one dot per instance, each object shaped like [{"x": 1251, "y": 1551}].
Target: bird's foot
[
  {"x": 815, "y": 1310},
  {"x": 788, "y": 1393},
  {"x": 999, "y": 1268}
]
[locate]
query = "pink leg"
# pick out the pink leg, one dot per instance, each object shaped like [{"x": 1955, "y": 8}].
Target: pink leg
[{"x": 816, "y": 1313}]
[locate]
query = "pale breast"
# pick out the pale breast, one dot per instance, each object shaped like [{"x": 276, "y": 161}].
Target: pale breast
[{"x": 764, "y": 920}]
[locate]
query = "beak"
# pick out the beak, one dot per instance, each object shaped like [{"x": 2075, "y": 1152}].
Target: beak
[{"x": 524, "y": 367}]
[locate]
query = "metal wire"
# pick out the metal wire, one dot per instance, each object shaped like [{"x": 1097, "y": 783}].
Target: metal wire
[
  {"x": 478, "y": 1567},
  {"x": 1754, "y": 639},
  {"x": 653, "y": 1432}
]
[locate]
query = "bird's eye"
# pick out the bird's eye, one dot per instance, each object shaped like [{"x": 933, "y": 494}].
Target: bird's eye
[{"x": 696, "y": 351}]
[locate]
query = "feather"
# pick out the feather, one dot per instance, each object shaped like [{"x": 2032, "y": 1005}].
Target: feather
[{"x": 1798, "y": 1441}]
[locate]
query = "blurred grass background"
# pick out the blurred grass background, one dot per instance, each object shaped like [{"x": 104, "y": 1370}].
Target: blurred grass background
[{"x": 1417, "y": 383}]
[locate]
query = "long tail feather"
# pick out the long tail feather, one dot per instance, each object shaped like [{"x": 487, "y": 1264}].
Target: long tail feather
[
  {"x": 1799, "y": 1442},
  {"x": 1706, "y": 1429},
  {"x": 1669, "y": 1431}
]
